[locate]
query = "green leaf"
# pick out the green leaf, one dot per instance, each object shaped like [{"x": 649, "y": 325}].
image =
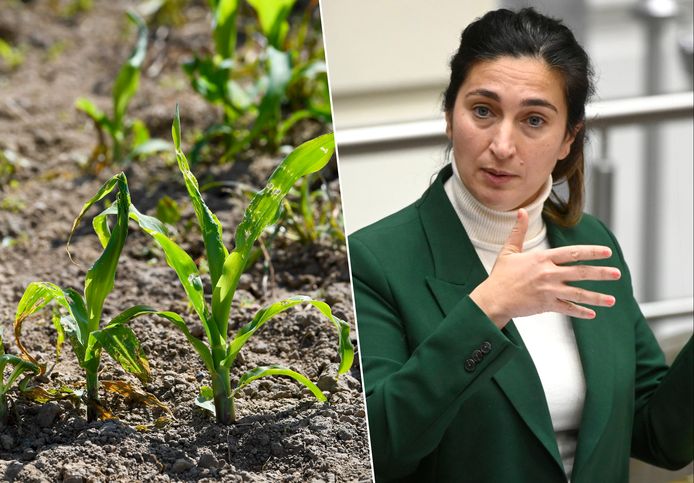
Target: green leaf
[
  {"x": 101, "y": 276},
  {"x": 173, "y": 317},
  {"x": 139, "y": 131},
  {"x": 263, "y": 210},
  {"x": 104, "y": 190},
  {"x": 279, "y": 75},
  {"x": 150, "y": 146},
  {"x": 36, "y": 296},
  {"x": 273, "y": 19},
  {"x": 168, "y": 210},
  {"x": 128, "y": 77},
  {"x": 61, "y": 333},
  {"x": 210, "y": 79},
  {"x": 122, "y": 344},
  {"x": 345, "y": 347},
  {"x": 183, "y": 265},
  {"x": 224, "y": 30},
  {"x": 90, "y": 109},
  {"x": 79, "y": 314},
  {"x": 275, "y": 370},
  {"x": 308, "y": 158},
  {"x": 21, "y": 366},
  {"x": 75, "y": 336},
  {"x": 205, "y": 399},
  {"x": 210, "y": 226}
]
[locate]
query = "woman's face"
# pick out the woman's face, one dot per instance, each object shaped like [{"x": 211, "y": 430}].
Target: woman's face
[{"x": 508, "y": 130}]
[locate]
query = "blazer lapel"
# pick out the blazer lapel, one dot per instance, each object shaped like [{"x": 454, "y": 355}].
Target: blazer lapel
[
  {"x": 594, "y": 341},
  {"x": 458, "y": 270}
]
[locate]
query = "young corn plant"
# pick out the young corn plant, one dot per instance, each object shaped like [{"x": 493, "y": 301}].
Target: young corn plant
[
  {"x": 119, "y": 130},
  {"x": 219, "y": 352},
  {"x": 312, "y": 215},
  {"x": 80, "y": 314},
  {"x": 262, "y": 100},
  {"x": 20, "y": 368}
]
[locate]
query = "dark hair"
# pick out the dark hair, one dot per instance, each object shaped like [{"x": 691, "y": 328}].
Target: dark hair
[{"x": 527, "y": 33}]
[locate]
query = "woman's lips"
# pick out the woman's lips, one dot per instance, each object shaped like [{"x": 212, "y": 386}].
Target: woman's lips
[{"x": 497, "y": 177}]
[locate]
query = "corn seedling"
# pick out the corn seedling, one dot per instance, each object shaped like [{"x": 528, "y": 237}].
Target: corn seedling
[
  {"x": 80, "y": 315},
  {"x": 20, "y": 368},
  {"x": 219, "y": 352},
  {"x": 283, "y": 88},
  {"x": 116, "y": 127},
  {"x": 312, "y": 215}
]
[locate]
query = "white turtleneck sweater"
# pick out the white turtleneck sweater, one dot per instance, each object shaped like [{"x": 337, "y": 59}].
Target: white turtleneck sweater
[{"x": 549, "y": 336}]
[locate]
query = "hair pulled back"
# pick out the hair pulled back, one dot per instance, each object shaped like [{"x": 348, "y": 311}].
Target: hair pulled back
[{"x": 527, "y": 33}]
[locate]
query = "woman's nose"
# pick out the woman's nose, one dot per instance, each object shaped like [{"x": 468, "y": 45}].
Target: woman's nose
[{"x": 503, "y": 145}]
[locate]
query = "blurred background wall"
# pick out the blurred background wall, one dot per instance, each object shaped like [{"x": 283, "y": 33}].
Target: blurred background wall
[{"x": 388, "y": 64}]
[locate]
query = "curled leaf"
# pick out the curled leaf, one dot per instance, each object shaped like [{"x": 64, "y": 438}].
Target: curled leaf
[{"x": 276, "y": 370}]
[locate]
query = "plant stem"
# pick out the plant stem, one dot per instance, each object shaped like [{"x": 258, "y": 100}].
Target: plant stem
[
  {"x": 92, "y": 395},
  {"x": 223, "y": 399}
]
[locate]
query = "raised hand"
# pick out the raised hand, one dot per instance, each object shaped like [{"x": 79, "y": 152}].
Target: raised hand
[{"x": 523, "y": 284}]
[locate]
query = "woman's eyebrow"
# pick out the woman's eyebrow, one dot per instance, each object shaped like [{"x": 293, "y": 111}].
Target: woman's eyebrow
[
  {"x": 525, "y": 102},
  {"x": 539, "y": 102},
  {"x": 484, "y": 93}
]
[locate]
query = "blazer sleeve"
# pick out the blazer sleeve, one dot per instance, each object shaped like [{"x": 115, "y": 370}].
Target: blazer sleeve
[
  {"x": 413, "y": 395},
  {"x": 663, "y": 427}
]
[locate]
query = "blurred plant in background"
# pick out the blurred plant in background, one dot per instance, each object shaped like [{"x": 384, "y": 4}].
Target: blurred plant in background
[
  {"x": 265, "y": 74},
  {"x": 129, "y": 139}
]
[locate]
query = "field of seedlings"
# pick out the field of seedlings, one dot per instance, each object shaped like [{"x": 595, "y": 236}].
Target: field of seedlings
[{"x": 175, "y": 301}]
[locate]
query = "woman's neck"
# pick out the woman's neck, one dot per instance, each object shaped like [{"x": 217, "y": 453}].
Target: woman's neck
[{"x": 490, "y": 228}]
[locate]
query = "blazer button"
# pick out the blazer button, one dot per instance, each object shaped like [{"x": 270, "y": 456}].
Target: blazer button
[
  {"x": 486, "y": 347},
  {"x": 477, "y": 355},
  {"x": 470, "y": 365}
]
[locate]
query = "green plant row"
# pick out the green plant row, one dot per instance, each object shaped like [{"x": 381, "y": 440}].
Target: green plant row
[{"x": 78, "y": 316}]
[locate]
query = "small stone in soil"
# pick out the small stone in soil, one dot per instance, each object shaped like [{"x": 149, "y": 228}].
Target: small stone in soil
[
  {"x": 29, "y": 454},
  {"x": 327, "y": 383},
  {"x": 13, "y": 470},
  {"x": 182, "y": 465},
  {"x": 6, "y": 441},
  {"x": 207, "y": 460},
  {"x": 47, "y": 414}
]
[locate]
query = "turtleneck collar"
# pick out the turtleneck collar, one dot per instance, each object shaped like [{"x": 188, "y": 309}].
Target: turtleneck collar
[{"x": 488, "y": 228}]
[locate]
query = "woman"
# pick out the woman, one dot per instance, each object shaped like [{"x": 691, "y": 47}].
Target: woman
[{"x": 500, "y": 338}]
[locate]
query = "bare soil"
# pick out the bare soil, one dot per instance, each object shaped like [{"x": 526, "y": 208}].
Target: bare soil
[{"x": 282, "y": 432}]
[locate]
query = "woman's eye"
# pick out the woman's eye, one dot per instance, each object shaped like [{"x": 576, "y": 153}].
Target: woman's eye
[
  {"x": 482, "y": 111},
  {"x": 535, "y": 121}
]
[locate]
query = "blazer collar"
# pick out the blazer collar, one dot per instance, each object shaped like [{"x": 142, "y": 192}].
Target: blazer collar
[{"x": 458, "y": 270}]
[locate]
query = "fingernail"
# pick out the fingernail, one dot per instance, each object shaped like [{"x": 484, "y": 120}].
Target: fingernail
[
  {"x": 616, "y": 274},
  {"x": 610, "y": 300},
  {"x": 607, "y": 252}
]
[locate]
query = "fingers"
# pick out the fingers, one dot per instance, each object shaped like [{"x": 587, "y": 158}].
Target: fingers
[
  {"x": 576, "y": 273},
  {"x": 573, "y": 310},
  {"x": 577, "y": 253},
  {"x": 584, "y": 297},
  {"x": 514, "y": 242}
]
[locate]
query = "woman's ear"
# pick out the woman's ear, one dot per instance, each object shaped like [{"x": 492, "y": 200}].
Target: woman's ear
[
  {"x": 448, "y": 125},
  {"x": 568, "y": 140}
]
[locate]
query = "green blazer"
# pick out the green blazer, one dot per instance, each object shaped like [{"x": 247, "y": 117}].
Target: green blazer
[{"x": 436, "y": 416}]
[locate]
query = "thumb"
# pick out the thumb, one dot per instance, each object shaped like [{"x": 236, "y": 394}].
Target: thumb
[{"x": 514, "y": 242}]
